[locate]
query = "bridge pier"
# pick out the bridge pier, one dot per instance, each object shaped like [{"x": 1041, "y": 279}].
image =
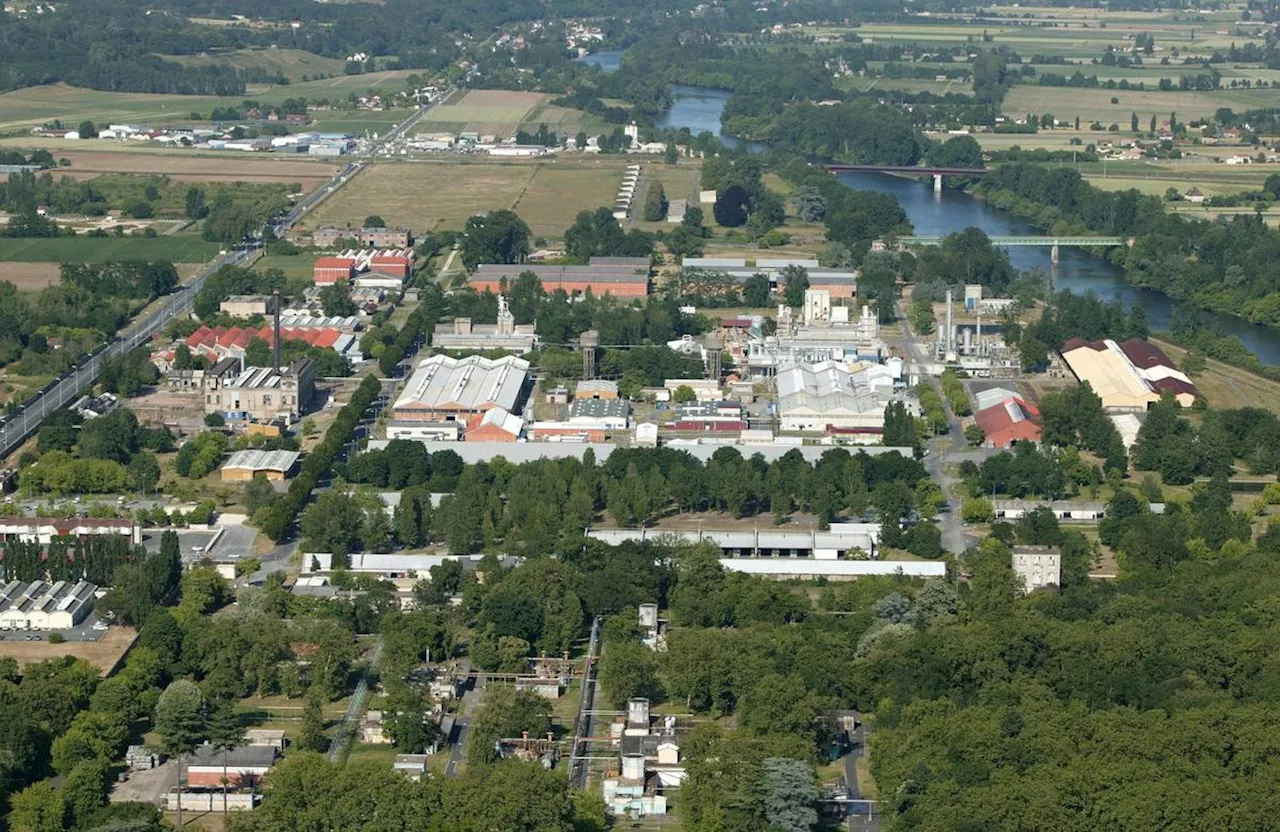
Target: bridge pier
[
  {"x": 937, "y": 183},
  {"x": 1053, "y": 253}
]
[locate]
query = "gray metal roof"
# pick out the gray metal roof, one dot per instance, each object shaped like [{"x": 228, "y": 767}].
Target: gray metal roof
[
  {"x": 471, "y": 383},
  {"x": 600, "y": 408},
  {"x": 825, "y": 387},
  {"x": 247, "y": 756},
  {"x": 263, "y": 460}
]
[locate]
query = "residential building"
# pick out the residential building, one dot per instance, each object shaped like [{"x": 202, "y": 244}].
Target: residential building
[
  {"x": 1130, "y": 376},
  {"x": 1037, "y": 566},
  {"x": 245, "y": 306},
  {"x": 413, "y": 766},
  {"x": 40, "y": 605},
  {"x": 704, "y": 389},
  {"x": 274, "y": 465},
  {"x": 46, "y": 529},
  {"x": 245, "y": 766},
  {"x": 451, "y": 389},
  {"x": 814, "y": 397},
  {"x": 263, "y": 394},
  {"x": 623, "y": 277},
  {"x": 1011, "y": 420}
]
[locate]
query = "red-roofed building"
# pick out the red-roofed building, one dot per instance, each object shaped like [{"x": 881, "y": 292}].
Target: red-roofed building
[
  {"x": 1012, "y": 420},
  {"x": 333, "y": 270},
  {"x": 394, "y": 264}
]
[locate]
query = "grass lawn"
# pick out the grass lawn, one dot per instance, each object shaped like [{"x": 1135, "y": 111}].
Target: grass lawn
[
  {"x": 384, "y": 753},
  {"x": 100, "y": 249},
  {"x": 296, "y": 265},
  {"x": 497, "y": 112}
]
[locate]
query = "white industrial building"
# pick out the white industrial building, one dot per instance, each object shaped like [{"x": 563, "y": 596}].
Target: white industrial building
[
  {"x": 1037, "y": 566},
  {"x": 840, "y": 541},
  {"x": 40, "y": 605},
  {"x": 448, "y": 389},
  {"x": 48, "y": 529},
  {"x": 815, "y": 397}
]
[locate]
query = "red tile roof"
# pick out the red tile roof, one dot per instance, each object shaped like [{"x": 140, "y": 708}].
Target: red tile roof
[{"x": 1008, "y": 422}]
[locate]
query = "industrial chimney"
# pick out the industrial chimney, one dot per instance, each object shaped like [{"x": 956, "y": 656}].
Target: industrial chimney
[{"x": 276, "y": 354}]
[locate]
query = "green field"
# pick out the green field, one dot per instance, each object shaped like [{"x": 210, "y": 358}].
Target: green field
[
  {"x": 291, "y": 63},
  {"x": 71, "y": 105},
  {"x": 102, "y": 249},
  {"x": 1095, "y": 104}
]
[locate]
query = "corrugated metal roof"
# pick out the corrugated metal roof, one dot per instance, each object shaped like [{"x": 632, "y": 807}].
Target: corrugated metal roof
[
  {"x": 256, "y": 460},
  {"x": 471, "y": 383}
]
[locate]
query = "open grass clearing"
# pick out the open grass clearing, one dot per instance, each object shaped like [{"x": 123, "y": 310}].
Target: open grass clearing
[
  {"x": 1229, "y": 387},
  {"x": 102, "y": 249},
  {"x": 290, "y": 63}
]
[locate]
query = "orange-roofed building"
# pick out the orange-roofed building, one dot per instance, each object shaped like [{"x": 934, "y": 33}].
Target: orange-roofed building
[{"x": 333, "y": 270}]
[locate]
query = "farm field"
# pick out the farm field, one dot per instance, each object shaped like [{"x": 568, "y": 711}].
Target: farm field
[
  {"x": 30, "y": 277},
  {"x": 291, "y": 63},
  {"x": 912, "y": 85},
  {"x": 102, "y": 654},
  {"x": 188, "y": 167},
  {"x": 426, "y": 196},
  {"x": 499, "y": 112},
  {"x": 502, "y": 112},
  {"x": 37, "y": 105},
  {"x": 101, "y": 249},
  {"x": 1095, "y": 104}
]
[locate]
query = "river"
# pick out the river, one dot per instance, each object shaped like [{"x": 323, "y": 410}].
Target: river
[{"x": 699, "y": 109}]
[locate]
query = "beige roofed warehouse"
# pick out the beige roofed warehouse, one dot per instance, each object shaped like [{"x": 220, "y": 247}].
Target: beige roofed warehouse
[
  {"x": 40, "y": 605},
  {"x": 446, "y": 388},
  {"x": 275, "y": 465}
]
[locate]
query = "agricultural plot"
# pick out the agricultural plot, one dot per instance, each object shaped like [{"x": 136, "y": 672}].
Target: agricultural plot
[
  {"x": 189, "y": 167},
  {"x": 496, "y": 112},
  {"x": 426, "y": 196},
  {"x": 71, "y": 105},
  {"x": 103, "y": 249},
  {"x": 1095, "y": 104}
]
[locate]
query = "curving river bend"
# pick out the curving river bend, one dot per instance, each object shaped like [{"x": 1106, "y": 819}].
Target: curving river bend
[{"x": 700, "y": 108}]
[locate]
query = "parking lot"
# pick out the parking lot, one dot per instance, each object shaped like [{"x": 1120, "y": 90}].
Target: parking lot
[
  {"x": 146, "y": 786},
  {"x": 236, "y": 542},
  {"x": 193, "y": 542},
  {"x": 88, "y": 630}
]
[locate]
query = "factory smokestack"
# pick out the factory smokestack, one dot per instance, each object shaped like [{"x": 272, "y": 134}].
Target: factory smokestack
[{"x": 276, "y": 296}]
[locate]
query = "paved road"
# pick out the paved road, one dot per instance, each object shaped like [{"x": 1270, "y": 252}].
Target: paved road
[
  {"x": 942, "y": 451},
  {"x": 863, "y": 818},
  {"x": 17, "y": 428},
  {"x": 470, "y": 698}
]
